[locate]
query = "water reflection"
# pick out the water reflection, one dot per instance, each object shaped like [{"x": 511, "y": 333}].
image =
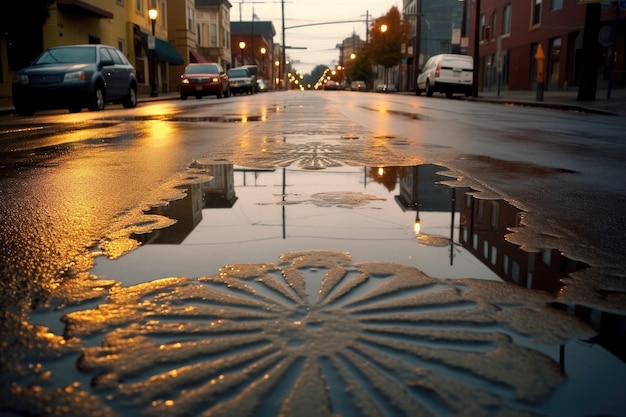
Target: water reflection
[
  {"x": 396, "y": 214},
  {"x": 342, "y": 297}
]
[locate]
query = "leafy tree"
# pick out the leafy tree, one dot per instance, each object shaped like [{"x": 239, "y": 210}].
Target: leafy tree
[
  {"x": 361, "y": 67},
  {"x": 385, "y": 47},
  {"x": 23, "y": 30}
]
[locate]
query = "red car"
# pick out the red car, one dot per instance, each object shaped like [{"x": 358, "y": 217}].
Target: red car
[{"x": 207, "y": 79}]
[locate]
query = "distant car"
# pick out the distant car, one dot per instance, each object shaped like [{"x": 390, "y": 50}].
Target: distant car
[
  {"x": 73, "y": 77},
  {"x": 261, "y": 86},
  {"x": 446, "y": 73},
  {"x": 358, "y": 86},
  {"x": 332, "y": 85},
  {"x": 386, "y": 88},
  {"x": 242, "y": 80},
  {"x": 205, "y": 79}
]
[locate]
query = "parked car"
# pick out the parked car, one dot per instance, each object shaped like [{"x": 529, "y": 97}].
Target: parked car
[
  {"x": 261, "y": 86},
  {"x": 358, "y": 86},
  {"x": 446, "y": 73},
  {"x": 206, "y": 79},
  {"x": 242, "y": 80},
  {"x": 386, "y": 88},
  {"x": 332, "y": 85},
  {"x": 73, "y": 77}
]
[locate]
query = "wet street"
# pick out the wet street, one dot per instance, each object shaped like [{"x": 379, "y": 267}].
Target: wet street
[{"x": 313, "y": 254}]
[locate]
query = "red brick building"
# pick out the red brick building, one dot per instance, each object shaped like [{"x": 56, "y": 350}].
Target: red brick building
[{"x": 517, "y": 28}]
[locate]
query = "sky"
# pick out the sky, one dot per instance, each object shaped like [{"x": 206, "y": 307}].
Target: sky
[{"x": 320, "y": 41}]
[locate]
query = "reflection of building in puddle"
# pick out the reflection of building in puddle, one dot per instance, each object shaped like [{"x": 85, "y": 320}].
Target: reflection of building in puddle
[
  {"x": 421, "y": 191},
  {"x": 484, "y": 225},
  {"x": 219, "y": 192}
]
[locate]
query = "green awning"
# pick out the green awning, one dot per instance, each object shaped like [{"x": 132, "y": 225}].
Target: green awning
[{"x": 164, "y": 51}]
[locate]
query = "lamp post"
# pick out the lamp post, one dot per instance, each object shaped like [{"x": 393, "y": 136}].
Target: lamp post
[
  {"x": 153, "y": 13},
  {"x": 263, "y": 52},
  {"x": 242, "y": 46},
  {"x": 277, "y": 80},
  {"x": 383, "y": 29}
]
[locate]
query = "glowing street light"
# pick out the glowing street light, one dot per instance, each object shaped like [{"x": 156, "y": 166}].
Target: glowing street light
[
  {"x": 242, "y": 46},
  {"x": 153, "y": 13}
]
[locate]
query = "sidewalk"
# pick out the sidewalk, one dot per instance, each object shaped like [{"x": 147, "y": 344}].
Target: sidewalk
[{"x": 559, "y": 100}]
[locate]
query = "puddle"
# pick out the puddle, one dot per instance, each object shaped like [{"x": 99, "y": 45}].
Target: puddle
[
  {"x": 337, "y": 291},
  {"x": 391, "y": 214},
  {"x": 251, "y": 215}
]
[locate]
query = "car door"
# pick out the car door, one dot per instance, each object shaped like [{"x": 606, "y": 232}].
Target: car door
[{"x": 114, "y": 77}]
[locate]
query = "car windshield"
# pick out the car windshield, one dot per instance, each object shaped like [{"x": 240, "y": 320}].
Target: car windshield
[
  {"x": 202, "y": 69},
  {"x": 237, "y": 73},
  {"x": 67, "y": 56}
]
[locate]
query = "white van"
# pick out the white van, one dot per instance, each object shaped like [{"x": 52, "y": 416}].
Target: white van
[{"x": 446, "y": 73}]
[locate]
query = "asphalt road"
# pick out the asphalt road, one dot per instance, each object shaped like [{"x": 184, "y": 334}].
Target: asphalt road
[{"x": 75, "y": 187}]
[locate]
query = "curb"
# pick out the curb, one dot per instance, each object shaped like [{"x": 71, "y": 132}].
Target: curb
[{"x": 543, "y": 104}]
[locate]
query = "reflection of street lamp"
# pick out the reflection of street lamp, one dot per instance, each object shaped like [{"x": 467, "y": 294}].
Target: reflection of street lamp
[
  {"x": 277, "y": 65},
  {"x": 242, "y": 46},
  {"x": 263, "y": 52},
  {"x": 153, "y": 13}
]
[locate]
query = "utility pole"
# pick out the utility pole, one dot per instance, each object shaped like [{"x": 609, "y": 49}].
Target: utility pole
[{"x": 591, "y": 52}]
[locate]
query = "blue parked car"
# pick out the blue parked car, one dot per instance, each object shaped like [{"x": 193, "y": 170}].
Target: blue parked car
[{"x": 74, "y": 77}]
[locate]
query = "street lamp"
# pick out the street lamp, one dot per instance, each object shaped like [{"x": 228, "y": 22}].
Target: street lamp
[
  {"x": 383, "y": 29},
  {"x": 263, "y": 52},
  {"x": 153, "y": 13},
  {"x": 242, "y": 46},
  {"x": 277, "y": 80}
]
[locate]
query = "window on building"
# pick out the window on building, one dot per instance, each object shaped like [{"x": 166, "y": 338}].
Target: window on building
[
  {"x": 506, "y": 19},
  {"x": 139, "y": 6},
  {"x": 163, "y": 13},
  {"x": 555, "y": 61},
  {"x": 121, "y": 45},
  {"x": 199, "y": 34},
  {"x": 120, "y": 2},
  {"x": 190, "y": 19},
  {"x": 483, "y": 27},
  {"x": 536, "y": 12},
  {"x": 213, "y": 35},
  {"x": 492, "y": 26},
  {"x": 556, "y": 4}
]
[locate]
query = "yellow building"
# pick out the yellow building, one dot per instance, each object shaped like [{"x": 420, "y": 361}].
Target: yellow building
[{"x": 183, "y": 32}]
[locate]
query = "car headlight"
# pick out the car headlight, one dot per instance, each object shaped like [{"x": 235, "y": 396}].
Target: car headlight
[
  {"x": 20, "y": 79},
  {"x": 215, "y": 80},
  {"x": 74, "y": 76},
  {"x": 185, "y": 81}
]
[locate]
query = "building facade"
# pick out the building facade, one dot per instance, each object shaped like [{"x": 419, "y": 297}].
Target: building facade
[
  {"x": 508, "y": 46},
  {"x": 253, "y": 44}
]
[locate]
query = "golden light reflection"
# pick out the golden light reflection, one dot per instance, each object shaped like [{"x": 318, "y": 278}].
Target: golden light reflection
[
  {"x": 381, "y": 171},
  {"x": 160, "y": 133},
  {"x": 417, "y": 227}
]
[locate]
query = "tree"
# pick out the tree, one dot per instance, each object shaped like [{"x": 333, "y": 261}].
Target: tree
[
  {"x": 361, "y": 67},
  {"x": 385, "y": 47},
  {"x": 23, "y": 30}
]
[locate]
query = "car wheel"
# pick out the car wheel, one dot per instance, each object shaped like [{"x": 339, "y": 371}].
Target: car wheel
[
  {"x": 97, "y": 100},
  {"x": 448, "y": 94},
  {"x": 429, "y": 89},
  {"x": 198, "y": 97},
  {"x": 183, "y": 96},
  {"x": 418, "y": 92},
  {"x": 130, "y": 101}
]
